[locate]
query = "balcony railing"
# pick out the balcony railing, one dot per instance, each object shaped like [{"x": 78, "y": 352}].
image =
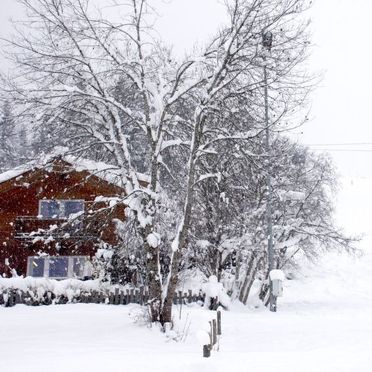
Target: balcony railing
[{"x": 32, "y": 228}]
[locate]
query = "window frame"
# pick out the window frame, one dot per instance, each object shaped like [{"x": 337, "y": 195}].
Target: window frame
[
  {"x": 86, "y": 269},
  {"x": 61, "y": 205}
]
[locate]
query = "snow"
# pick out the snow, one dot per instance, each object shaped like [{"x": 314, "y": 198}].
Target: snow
[
  {"x": 322, "y": 324},
  {"x": 277, "y": 275},
  {"x": 215, "y": 289},
  {"x": 107, "y": 172},
  {"x": 210, "y": 175},
  {"x": 13, "y": 173},
  {"x": 40, "y": 286},
  {"x": 153, "y": 240},
  {"x": 104, "y": 253},
  {"x": 204, "y": 244},
  {"x": 291, "y": 195}
]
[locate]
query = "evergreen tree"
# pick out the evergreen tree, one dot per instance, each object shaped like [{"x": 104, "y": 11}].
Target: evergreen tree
[{"x": 7, "y": 137}]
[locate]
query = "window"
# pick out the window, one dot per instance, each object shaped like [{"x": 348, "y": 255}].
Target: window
[
  {"x": 72, "y": 207},
  {"x": 60, "y": 208},
  {"x": 36, "y": 266},
  {"x": 59, "y": 267},
  {"x": 79, "y": 266},
  {"x": 49, "y": 209}
]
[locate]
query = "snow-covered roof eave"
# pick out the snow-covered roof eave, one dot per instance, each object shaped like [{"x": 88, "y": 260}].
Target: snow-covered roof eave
[
  {"x": 14, "y": 173},
  {"x": 106, "y": 172}
]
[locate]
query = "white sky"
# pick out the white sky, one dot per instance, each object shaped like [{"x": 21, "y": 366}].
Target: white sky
[{"x": 341, "y": 32}]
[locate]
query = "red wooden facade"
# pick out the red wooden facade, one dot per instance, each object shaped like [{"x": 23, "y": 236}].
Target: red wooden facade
[{"x": 25, "y": 233}]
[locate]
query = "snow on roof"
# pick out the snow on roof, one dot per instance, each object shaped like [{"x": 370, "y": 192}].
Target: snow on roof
[
  {"x": 107, "y": 172},
  {"x": 12, "y": 173}
]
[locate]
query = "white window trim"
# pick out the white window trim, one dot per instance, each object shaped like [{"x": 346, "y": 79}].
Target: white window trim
[
  {"x": 61, "y": 203},
  {"x": 46, "y": 267}
]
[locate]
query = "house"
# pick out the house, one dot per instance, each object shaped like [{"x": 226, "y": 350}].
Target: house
[{"x": 54, "y": 213}]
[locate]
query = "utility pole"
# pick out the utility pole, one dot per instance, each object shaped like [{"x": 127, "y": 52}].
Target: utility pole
[{"x": 267, "y": 41}]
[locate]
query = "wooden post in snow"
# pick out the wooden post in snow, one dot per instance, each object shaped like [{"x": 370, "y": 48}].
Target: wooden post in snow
[
  {"x": 219, "y": 328},
  {"x": 215, "y": 331}
]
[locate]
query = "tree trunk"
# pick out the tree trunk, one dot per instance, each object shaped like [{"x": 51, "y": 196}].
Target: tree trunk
[
  {"x": 154, "y": 283},
  {"x": 166, "y": 311},
  {"x": 253, "y": 265}
]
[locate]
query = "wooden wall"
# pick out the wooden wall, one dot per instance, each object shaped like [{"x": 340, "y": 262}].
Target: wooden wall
[{"x": 20, "y": 197}]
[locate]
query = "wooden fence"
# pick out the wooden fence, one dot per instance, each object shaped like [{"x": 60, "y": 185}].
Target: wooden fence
[
  {"x": 215, "y": 331},
  {"x": 11, "y": 297}
]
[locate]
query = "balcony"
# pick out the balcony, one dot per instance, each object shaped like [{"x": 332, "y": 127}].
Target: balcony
[{"x": 35, "y": 228}]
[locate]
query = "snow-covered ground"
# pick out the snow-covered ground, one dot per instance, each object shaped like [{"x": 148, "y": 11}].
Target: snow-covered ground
[{"x": 323, "y": 323}]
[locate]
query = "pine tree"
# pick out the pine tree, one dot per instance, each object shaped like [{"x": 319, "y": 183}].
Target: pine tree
[{"x": 7, "y": 137}]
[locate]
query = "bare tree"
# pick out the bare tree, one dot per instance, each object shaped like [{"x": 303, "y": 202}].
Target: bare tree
[
  {"x": 72, "y": 58},
  {"x": 233, "y": 210}
]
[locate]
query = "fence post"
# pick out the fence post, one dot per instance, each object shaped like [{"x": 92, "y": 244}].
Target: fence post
[
  {"x": 121, "y": 297},
  {"x": 113, "y": 296},
  {"x": 219, "y": 327},
  {"x": 141, "y": 296},
  {"x": 127, "y": 296},
  {"x": 189, "y": 297},
  {"x": 211, "y": 334},
  {"x": 116, "y": 296},
  {"x": 12, "y": 298},
  {"x": 206, "y": 351},
  {"x": 214, "y": 332}
]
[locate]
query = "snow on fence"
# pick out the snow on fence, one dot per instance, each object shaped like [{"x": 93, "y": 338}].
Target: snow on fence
[{"x": 46, "y": 292}]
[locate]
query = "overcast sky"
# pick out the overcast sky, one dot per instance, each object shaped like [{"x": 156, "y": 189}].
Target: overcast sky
[{"x": 341, "y": 33}]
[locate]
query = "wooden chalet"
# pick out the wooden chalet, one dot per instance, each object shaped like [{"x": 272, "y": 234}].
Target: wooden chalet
[{"x": 53, "y": 215}]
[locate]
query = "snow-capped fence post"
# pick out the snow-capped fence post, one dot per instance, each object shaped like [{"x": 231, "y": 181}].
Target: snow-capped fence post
[
  {"x": 276, "y": 278},
  {"x": 5, "y": 298}
]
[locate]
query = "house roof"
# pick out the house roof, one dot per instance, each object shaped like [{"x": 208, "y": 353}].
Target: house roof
[{"x": 107, "y": 172}]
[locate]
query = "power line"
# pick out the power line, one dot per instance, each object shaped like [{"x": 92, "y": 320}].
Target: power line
[
  {"x": 343, "y": 150},
  {"x": 341, "y": 144},
  {"x": 325, "y": 147}
]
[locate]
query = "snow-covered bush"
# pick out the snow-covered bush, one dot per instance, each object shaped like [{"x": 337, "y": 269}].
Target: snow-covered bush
[
  {"x": 43, "y": 290},
  {"x": 215, "y": 294}
]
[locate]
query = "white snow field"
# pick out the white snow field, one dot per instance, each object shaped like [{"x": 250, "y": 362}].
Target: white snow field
[{"x": 323, "y": 323}]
